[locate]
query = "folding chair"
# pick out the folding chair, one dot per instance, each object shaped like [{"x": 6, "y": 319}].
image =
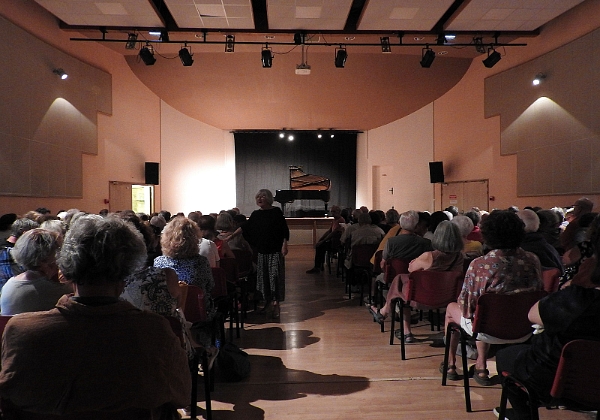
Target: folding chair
[
  {"x": 391, "y": 269},
  {"x": 427, "y": 290},
  {"x": 576, "y": 380},
  {"x": 362, "y": 268},
  {"x": 503, "y": 316},
  {"x": 551, "y": 279}
]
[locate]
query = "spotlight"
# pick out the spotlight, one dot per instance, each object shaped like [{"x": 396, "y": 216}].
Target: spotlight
[
  {"x": 492, "y": 58},
  {"x": 186, "y": 57},
  {"x": 291, "y": 137},
  {"x": 131, "y": 41},
  {"x": 319, "y": 135},
  {"x": 340, "y": 57},
  {"x": 281, "y": 135},
  {"x": 266, "y": 57},
  {"x": 147, "y": 55},
  {"x": 332, "y": 136},
  {"x": 61, "y": 73},
  {"x": 164, "y": 36},
  {"x": 298, "y": 38},
  {"x": 441, "y": 39},
  {"x": 539, "y": 78},
  {"x": 385, "y": 44},
  {"x": 229, "y": 43},
  {"x": 427, "y": 57}
]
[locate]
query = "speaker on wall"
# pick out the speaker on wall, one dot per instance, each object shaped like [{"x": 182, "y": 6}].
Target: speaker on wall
[
  {"x": 151, "y": 173},
  {"x": 436, "y": 172}
]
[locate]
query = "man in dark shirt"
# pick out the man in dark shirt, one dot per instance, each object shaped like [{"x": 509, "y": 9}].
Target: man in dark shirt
[{"x": 535, "y": 242}]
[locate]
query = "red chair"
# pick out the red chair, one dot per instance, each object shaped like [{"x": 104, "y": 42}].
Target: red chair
[
  {"x": 427, "y": 290},
  {"x": 551, "y": 278},
  {"x": 391, "y": 269},
  {"x": 362, "y": 268},
  {"x": 504, "y": 316},
  {"x": 576, "y": 380},
  {"x": 224, "y": 301}
]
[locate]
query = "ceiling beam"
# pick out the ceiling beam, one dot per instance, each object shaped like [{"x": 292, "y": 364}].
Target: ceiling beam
[
  {"x": 259, "y": 12},
  {"x": 356, "y": 11}
]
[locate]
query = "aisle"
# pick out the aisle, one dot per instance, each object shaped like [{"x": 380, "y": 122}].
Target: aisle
[{"x": 326, "y": 359}]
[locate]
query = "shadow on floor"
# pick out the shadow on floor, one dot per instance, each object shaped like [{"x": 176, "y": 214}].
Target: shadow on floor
[{"x": 272, "y": 380}]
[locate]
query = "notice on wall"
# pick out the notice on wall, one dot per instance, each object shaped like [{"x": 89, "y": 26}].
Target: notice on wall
[{"x": 452, "y": 198}]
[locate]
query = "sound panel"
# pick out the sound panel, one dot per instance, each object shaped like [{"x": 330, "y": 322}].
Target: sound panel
[
  {"x": 436, "y": 172},
  {"x": 151, "y": 173}
]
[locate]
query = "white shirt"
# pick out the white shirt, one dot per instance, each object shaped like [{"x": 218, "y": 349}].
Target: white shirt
[{"x": 209, "y": 250}]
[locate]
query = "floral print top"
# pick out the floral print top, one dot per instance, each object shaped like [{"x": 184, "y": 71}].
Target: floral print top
[
  {"x": 147, "y": 290},
  {"x": 499, "y": 271}
]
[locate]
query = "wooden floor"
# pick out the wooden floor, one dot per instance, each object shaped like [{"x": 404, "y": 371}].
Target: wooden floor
[{"x": 326, "y": 359}]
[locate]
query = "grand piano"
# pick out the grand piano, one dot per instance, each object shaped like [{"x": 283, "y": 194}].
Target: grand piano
[{"x": 304, "y": 186}]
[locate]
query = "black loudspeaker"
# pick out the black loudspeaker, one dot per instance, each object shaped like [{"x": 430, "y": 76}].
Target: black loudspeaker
[
  {"x": 436, "y": 172},
  {"x": 151, "y": 173}
]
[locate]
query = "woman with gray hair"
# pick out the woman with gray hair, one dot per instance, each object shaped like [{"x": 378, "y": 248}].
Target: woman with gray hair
[
  {"x": 267, "y": 230},
  {"x": 37, "y": 288},
  {"x": 446, "y": 256},
  {"x": 100, "y": 354},
  {"x": 472, "y": 249}
]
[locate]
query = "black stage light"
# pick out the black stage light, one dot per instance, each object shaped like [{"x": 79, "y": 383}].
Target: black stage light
[
  {"x": 492, "y": 58},
  {"x": 385, "y": 44},
  {"x": 267, "y": 58},
  {"x": 340, "y": 57},
  {"x": 147, "y": 55},
  {"x": 298, "y": 38},
  {"x": 427, "y": 58},
  {"x": 229, "y": 43},
  {"x": 186, "y": 57},
  {"x": 131, "y": 41}
]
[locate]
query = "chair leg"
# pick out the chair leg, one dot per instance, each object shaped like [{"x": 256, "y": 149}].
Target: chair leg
[
  {"x": 207, "y": 385},
  {"x": 393, "y": 304},
  {"x": 463, "y": 347},
  {"x": 402, "y": 344},
  {"x": 194, "y": 372},
  {"x": 446, "y": 354}
]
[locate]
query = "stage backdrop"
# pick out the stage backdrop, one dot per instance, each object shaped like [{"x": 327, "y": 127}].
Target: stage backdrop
[{"x": 262, "y": 160}]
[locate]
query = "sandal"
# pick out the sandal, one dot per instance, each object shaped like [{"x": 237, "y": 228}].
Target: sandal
[
  {"x": 481, "y": 376},
  {"x": 409, "y": 338},
  {"x": 377, "y": 317},
  {"x": 452, "y": 375}
]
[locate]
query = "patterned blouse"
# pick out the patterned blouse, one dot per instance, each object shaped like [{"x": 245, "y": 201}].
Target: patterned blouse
[
  {"x": 499, "y": 271},
  {"x": 147, "y": 290}
]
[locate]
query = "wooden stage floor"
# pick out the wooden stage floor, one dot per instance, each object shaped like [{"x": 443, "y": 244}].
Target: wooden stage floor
[{"x": 326, "y": 359}]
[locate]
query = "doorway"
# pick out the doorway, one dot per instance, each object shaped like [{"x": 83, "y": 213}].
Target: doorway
[
  {"x": 127, "y": 196},
  {"x": 466, "y": 194},
  {"x": 383, "y": 187}
]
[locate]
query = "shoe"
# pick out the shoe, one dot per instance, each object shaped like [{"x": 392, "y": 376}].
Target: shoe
[
  {"x": 481, "y": 376},
  {"x": 314, "y": 270},
  {"x": 276, "y": 312},
  {"x": 452, "y": 375},
  {"x": 377, "y": 317},
  {"x": 509, "y": 413},
  {"x": 266, "y": 309},
  {"x": 408, "y": 338}
]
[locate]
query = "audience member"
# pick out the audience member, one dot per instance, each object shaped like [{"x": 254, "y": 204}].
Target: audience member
[
  {"x": 569, "y": 237},
  {"x": 364, "y": 233},
  {"x": 507, "y": 268},
  {"x": 267, "y": 231},
  {"x": 475, "y": 235},
  {"x": 329, "y": 241},
  {"x": 471, "y": 249},
  {"x": 207, "y": 247},
  {"x": 550, "y": 227},
  {"x": 107, "y": 355},
  {"x": 436, "y": 218},
  {"x": 6, "y": 222},
  {"x": 447, "y": 255},
  {"x": 37, "y": 288},
  {"x": 8, "y": 266},
  {"x": 580, "y": 261},
  {"x": 534, "y": 241}
]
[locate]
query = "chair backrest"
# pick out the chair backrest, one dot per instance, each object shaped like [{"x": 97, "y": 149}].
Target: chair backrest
[
  {"x": 393, "y": 267},
  {"x": 434, "y": 289},
  {"x": 195, "y": 308},
  {"x": 505, "y": 316},
  {"x": 577, "y": 376},
  {"x": 377, "y": 261},
  {"x": 244, "y": 261},
  {"x": 362, "y": 253},
  {"x": 230, "y": 265},
  {"x": 220, "y": 277},
  {"x": 551, "y": 278}
]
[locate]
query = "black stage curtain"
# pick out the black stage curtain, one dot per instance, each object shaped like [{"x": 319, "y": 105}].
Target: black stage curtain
[{"x": 262, "y": 160}]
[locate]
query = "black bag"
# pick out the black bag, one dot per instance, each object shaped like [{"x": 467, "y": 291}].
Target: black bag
[{"x": 233, "y": 363}]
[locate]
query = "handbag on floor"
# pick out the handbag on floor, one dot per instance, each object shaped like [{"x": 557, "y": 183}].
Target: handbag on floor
[{"x": 233, "y": 363}]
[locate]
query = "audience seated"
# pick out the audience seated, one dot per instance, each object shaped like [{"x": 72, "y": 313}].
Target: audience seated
[
  {"x": 569, "y": 314},
  {"x": 207, "y": 247},
  {"x": 550, "y": 221},
  {"x": 447, "y": 255},
  {"x": 534, "y": 241},
  {"x": 364, "y": 233},
  {"x": 207, "y": 230},
  {"x": 392, "y": 218},
  {"x": 37, "y": 288},
  {"x": 471, "y": 249},
  {"x": 329, "y": 240},
  {"x": 94, "y": 352},
  {"x": 580, "y": 261},
  {"x": 507, "y": 268},
  {"x": 475, "y": 217},
  {"x": 8, "y": 266},
  {"x": 436, "y": 218},
  {"x": 569, "y": 237},
  {"x": 6, "y": 222}
]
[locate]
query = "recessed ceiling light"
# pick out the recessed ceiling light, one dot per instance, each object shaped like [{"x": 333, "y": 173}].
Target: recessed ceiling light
[
  {"x": 418, "y": 38},
  {"x": 442, "y": 52},
  {"x": 154, "y": 33},
  {"x": 269, "y": 36},
  {"x": 350, "y": 38},
  {"x": 450, "y": 37}
]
